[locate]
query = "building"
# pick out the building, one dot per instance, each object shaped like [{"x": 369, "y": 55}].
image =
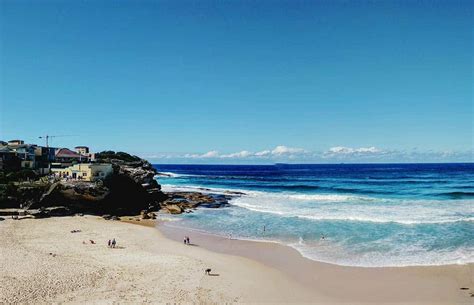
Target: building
[
  {"x": 15, "y": 154},
  {"x": 16, "y": 142},
  {"x": 82, "y": 150},
  {"x": 44, "y": 156},
  {"x": 85, "y": 171},
  {"x": 25, "y": 152},
  {"x": 65, "y": 155},
  {"x": 9, "y": 159},
  {"x": 85, "y": 151}
]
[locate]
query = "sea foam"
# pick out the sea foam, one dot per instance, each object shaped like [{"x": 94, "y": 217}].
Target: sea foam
[{"x": 370, "y": 215}]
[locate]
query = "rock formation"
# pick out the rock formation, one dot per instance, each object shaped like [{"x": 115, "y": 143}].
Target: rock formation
[{"x": 130, "y": 190}]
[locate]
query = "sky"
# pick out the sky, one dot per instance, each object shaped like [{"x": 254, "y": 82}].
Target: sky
[{"x": 242, "y": 81}]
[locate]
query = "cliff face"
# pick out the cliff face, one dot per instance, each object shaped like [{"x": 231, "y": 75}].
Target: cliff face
[{"x": 130, "y": 189}]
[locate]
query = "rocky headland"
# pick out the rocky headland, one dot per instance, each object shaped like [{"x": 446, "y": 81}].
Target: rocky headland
[{"x": 131, "y": 190}]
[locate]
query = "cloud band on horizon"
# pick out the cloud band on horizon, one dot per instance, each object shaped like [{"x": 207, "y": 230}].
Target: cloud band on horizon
[{"x": 282, "y": 153}]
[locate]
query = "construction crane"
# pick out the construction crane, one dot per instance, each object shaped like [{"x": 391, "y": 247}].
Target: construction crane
[{"x": 48, "y": 137}]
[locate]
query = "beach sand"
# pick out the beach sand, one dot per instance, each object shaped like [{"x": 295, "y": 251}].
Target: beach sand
[{"x": 43, "y": 262}]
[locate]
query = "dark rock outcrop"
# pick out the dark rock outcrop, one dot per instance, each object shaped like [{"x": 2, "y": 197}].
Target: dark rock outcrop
[
  {"x": 173, "y": 208},
  {"x": 130, "y": 189},
  {"x": 179, "y": 202}
]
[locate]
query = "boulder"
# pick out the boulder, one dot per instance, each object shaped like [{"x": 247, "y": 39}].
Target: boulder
[
  {"x": 59, "y": 211},
  {"x": 174, "y": 209},
  {"x": 144, "y": 214},
  {"x": 39, "y": 213},
  {"x": 192, "y": 200}
]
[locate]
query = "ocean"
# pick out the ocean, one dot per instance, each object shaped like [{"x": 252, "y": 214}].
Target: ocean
[{"x": 367, "y": 215}]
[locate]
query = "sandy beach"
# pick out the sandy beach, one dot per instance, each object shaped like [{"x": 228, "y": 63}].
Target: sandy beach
[{"x": 43, "y": 262}]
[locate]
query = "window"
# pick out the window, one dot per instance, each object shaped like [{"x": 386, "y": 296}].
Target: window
[{"x": 84, "y": 174}]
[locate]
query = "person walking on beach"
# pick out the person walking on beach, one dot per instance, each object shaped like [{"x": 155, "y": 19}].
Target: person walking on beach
[
  {"x": 184, "y": 240},
  {"x": 113, "y": 243},
  {"x": 110, "y": 243},
  {"x": 187, "y": 240}
]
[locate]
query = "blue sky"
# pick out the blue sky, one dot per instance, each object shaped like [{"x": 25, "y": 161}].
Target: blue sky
[{"x": 242, "y": 81}]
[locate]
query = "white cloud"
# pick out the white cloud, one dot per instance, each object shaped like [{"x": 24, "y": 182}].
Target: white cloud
[
  {"x": 283, "y": 153},
  {"x": 284, "y": 150},
  {"x": 342, "y": 150},
  {"x": 242, "y": 154},
  {"x": 263, "y": 153},
  {"x": 209, "y": 154},
  {"x": 279, "y": 151}
]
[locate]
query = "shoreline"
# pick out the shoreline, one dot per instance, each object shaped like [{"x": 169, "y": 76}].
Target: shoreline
[
  {"x": 431, "y": 283},
  {"x": 45, "y": 262},
  {"x": 168, "y": 231}
]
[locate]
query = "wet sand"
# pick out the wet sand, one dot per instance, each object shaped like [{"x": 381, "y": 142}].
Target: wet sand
[
  {"x": 394, "y": 285},
  {"x": 43, "y": 262}
]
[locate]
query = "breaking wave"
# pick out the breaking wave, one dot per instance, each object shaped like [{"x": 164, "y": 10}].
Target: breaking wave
[{"x": 371, "y": 215}]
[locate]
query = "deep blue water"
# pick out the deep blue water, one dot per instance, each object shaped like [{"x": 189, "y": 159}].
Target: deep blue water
[{"x": 370, "y": 215}]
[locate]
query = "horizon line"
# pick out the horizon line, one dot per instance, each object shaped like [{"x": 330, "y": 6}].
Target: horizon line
[{"x": 340, "y": 163}]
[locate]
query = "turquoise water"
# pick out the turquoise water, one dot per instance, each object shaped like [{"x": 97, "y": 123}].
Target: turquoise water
[{"x": 369, "y": 215}]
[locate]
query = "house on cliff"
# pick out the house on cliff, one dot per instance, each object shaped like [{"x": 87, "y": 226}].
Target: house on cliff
[
  {"x": 65, "y": 155},
  {"x": 25, "y": 152},
  {"x": 8, "y": 159},
  {"x": 15, "y": 154},
  {"x": 16, "y": 142},
  {"x": 84, "y": 171},
  {"x": 83, "y": 150},
  {"x": 30, "y": 156}
]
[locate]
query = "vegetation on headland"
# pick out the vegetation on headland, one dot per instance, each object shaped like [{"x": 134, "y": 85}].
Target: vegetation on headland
[
  {"x": 16, "y": 176},
  {"x": 120, "y": 155}
]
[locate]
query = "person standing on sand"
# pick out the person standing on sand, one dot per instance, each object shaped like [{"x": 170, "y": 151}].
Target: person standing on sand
[
  {"x": 187, "y": 240},
  {"x": 110, "y": 243},
  {"x": 184, "y": 240},
  {"x": 113, "y": 243}
]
